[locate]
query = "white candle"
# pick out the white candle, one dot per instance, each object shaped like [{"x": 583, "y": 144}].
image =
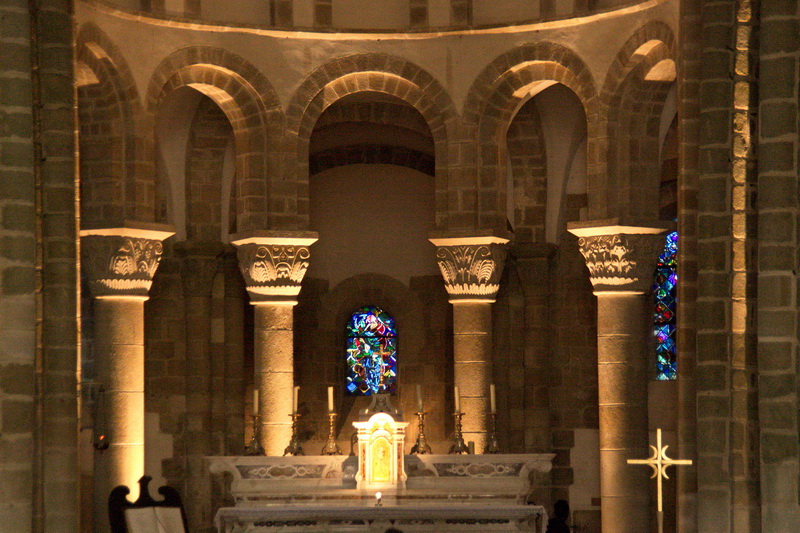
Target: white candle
[
  {"x": 419, "y": 398},
  {"x": 255, "y": 402},
  {"x": 492, "y": 403},
  {"x": 458, "y": 400},
  {"x": 294, "y": 400},
  {"x": 330, "y": 399}
]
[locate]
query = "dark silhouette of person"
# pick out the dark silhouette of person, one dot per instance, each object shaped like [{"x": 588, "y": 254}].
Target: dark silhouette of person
[{"x": 558, "y": 524}]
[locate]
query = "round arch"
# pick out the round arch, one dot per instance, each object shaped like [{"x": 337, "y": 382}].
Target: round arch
[
  {"x": 252, "y": 107},
  {"x": 495, "y": 97},
  {"x": 384, "y": 74},
  {"x": 631, "y": 105}
]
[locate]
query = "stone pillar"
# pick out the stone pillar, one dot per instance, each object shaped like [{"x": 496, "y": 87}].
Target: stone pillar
[
  {"x": 273, "y": 264},
  {"x": 471, "y": 267},
  {"x": 119, "y": 264},
  {"x": 621, "y": 262},
  {"x": 533, "y": 265}
]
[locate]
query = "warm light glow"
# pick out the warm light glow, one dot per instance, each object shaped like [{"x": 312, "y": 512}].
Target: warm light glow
[{"x": 664, "y": 70}]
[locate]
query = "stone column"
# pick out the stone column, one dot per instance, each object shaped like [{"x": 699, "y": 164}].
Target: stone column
[
  {"x": 533, "y": 265},
  {"x": 119, "y": 264},
  {"x": 273, "y": 264},
  {"x": 621, "y": 261},
  {"x": 471, "y": 267}
]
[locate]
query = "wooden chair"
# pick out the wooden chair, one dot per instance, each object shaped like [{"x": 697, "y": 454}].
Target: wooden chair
[{"x": 146, "y": 515}]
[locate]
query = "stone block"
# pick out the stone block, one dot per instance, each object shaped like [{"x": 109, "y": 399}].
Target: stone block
[
  {"x": 779, "y": 415},
  {"x": 776, "y": 448},
  {"x": 780, "y": 36},
  {"x": 777, "y": 118},
  {"x": 17, "y": 379},
  {"x": 18, "y": 280},
  {"x": 17, "y": 416}
]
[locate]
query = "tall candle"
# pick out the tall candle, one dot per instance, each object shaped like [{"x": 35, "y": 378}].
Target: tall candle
[
  {"x": 294, "y": 400},
  {"x": 255, "y": 402},
  {"x": 492, "y": 403},
  {"x": 458, "y": 400},
  {"x": 330, "y": 399},
  {"x": 419, "y": 398}
]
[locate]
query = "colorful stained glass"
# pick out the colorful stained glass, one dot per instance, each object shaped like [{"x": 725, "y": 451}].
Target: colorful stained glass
[
  {"x": 666, "y": 279},
  {"x": 371, "y": 352}
]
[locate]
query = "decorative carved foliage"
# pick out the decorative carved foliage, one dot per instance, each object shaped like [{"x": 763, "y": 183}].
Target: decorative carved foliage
[
  {"x": 273, "y": 270},
  {"x": 471, "y": 271},
  {"x": 120, "y": 265},
  {"x": 621, "y": 261}
]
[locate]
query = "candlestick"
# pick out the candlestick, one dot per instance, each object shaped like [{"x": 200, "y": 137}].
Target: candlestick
[
  {"x": 493, "y": 446},
  {"x": 419, "y": 398},
  {"x": 294, "y": 399},
  {"x": 294, "y": 447},
  {"x": 457, "y": 399},
  {"x": 421, "y": 447},
  {"x": 255, "y": 402},
  {"x": 254, "y": 447},
  {"x": 492, "y": 403},
  {"x": 330, "y": 399},
  {"x": 459, "y": 446},
  {"x": 331, "y": 448}
]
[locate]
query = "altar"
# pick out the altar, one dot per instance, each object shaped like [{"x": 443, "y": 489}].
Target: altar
[
  {"x": 382, "y": 487},
  {"x": 442, "y": 493}
]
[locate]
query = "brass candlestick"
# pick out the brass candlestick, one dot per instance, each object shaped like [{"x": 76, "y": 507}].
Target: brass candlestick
[
  {"x": 493, "y": 446},
  {"x": 254, "y": 448},
  {"x": 331, "y": 448},
  {"x": 459, "y": 446},
  {"x": 294, "y": 447},
  {"x": 421, "y": 446}
]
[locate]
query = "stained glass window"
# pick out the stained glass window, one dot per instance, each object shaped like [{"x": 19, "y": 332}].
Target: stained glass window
[
  {"x": 666, "y": 278},
  {"x": 371, "y": 352}
]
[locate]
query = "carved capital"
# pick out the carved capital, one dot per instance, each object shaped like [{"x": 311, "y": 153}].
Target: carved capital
[
  {"x": 273, "y": 264},
  {"x": 121, "y": 261},
  {"x": 620, "y": 258},
  {"x": 471, "y": 267}
]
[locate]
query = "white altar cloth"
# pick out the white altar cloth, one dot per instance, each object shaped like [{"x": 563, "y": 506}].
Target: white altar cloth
[{"x": 457, "y": 517}]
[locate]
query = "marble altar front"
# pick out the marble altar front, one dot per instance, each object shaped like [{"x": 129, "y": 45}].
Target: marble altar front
[{"x": 441, "y": 493}]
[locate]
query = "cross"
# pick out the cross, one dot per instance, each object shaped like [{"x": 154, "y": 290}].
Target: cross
[{"x": 659, "y": 463}]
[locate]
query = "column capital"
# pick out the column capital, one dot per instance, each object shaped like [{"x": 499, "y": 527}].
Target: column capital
[
  {"x": 121, "y": 261},
  {"x": 471, "y": 266},
  {"x": 274, "y": 263},
  {"x": 620, "y": 257}
]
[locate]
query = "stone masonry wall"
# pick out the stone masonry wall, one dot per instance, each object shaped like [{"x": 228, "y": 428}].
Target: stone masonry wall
[
  {"x": 17, "y": 249},
  {"x": 778, "y": 196}
]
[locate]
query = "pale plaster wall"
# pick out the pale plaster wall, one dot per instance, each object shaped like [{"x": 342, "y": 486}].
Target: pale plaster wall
[
  {"x": 453, "y": 58},
  {"x": 376, "y": 13},
  {"x": 585, "y": 458},
  {"x": 564, "y": 127},
  {"x": 372, "y": 218},
  {"x": 173, "y": 122},
  {"x": 371, "y": 14}
]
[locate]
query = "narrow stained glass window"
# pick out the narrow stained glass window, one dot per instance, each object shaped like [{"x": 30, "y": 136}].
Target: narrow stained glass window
[
  {"x": 666, "y": 278},
  {"x": 371, "y": 352}
]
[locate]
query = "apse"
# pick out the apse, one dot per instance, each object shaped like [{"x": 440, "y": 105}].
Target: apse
[{"x": 372, "y": 163}]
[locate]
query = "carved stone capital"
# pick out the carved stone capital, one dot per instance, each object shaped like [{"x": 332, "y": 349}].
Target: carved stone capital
[
  {"x": 274, "y": 263},
  {"x": 471, "y": 267},
  {"x": 620, "y": 258},
  {"x": 122, "y": 261}
]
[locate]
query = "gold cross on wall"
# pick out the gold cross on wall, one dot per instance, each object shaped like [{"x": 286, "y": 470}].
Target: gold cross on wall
[{"x": 659, "y": 463}]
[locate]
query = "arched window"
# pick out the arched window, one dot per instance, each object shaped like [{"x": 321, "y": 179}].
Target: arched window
[
  {"x": 371, "y": 352},
  {"x": 666, "y": 279}
]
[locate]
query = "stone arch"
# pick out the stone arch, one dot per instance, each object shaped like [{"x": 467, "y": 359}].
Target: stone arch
[
  {"x": 116, "y": 178},
  {"x": 631, "y": 104},
  {"x": 494, "y": 98},
  {"x": 377, "y": 73},
  {"x": 252, "y": 107}
]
